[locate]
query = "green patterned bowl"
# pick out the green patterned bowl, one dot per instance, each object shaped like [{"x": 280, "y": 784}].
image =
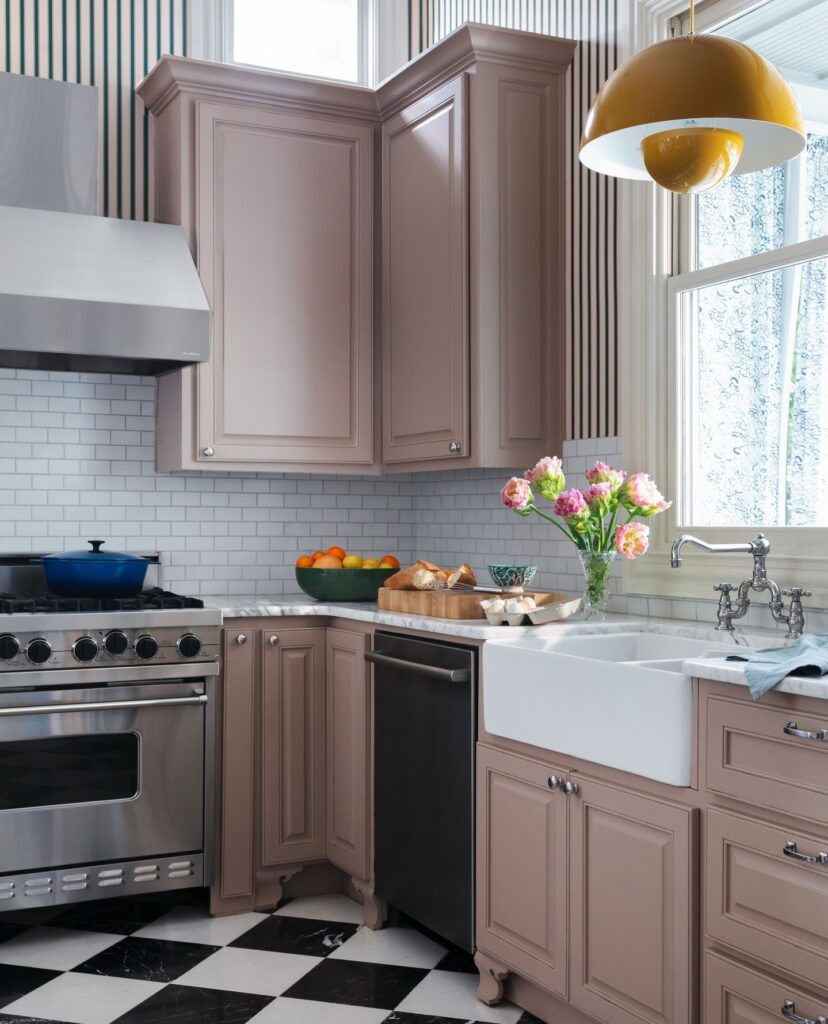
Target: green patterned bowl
[
  {"x": 512, "y": 575},
  {"x": 342, "y": 584}
]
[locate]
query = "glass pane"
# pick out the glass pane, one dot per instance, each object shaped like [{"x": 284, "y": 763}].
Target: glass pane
[
  {"x": 816, "y": 188},
  {"x": 741, "y": 217},
  {"x": 758, "y": 430},
  {"x": 68, "y": 770},
  {"x": 314, "y": 37}
]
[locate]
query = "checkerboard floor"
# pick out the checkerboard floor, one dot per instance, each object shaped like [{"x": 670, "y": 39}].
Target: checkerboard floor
[{"x": 146, "y": 961}]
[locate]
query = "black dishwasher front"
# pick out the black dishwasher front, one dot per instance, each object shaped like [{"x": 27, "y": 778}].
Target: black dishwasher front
[{"x": 424, "y": 737}]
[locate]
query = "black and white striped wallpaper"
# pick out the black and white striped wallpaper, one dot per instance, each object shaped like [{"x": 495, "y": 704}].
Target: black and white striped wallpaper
[
  {"x": 592, "y": 392},
  {"x": 111, "y": 44}
]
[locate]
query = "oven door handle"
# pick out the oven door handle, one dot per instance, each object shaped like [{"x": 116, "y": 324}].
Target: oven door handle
[{"x": 104, "y": 705}]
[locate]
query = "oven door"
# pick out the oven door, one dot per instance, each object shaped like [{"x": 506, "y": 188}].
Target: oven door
[{"x": 101, "y": 773}]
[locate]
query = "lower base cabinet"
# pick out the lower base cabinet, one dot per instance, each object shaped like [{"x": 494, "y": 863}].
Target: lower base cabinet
[
  {"x": 738, "y": 995},
  {"x": 568, "y": 863}
]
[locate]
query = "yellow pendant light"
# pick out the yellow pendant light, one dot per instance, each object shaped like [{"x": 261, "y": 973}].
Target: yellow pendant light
[{"x": 691, "y": 110}]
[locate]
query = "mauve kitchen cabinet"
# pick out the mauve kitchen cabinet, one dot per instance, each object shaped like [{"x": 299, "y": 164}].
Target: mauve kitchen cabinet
[
  {"x": 272, "y": 178},
  {"x": 473, "y": 257}
]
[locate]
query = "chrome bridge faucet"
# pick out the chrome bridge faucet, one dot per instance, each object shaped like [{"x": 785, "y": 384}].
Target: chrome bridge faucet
[{"x": 759, "y": 547}]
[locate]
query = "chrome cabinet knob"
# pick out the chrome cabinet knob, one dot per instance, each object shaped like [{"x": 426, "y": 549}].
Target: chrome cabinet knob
[
  {"x": 455, "y": 447},
  {"x": 273, "y": 640},
  {"x": 208, "y": 452},
  {"x": 241, "y": 639},
  {"x": 571, "y": 788},
  {"x": 554, "y": 782}
]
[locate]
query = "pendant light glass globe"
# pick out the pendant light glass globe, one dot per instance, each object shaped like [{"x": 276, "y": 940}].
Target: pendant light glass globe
[{"x": 689, "y": 111}]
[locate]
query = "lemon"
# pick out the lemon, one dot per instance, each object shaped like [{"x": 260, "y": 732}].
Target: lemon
[
  {"x": 370, "y": 563},
  {"x": 386, "y": 565},
  {"x": 352, "y": 562}
]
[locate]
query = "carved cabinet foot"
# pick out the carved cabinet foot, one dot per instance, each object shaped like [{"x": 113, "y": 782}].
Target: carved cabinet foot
[
  {"x": 375, "y": 910},
  {"x": 270, "y": 888},
  {"x": 492, "y": 976}
]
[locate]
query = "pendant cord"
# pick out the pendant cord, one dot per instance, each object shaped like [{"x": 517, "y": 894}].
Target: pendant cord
[{"x": 692, "y": 17}]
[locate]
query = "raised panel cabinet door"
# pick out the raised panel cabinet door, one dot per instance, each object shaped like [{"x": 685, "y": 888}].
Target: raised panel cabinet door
[
  {"x": 426, "y": 278},
  {"x": 233, "y": 885},
  {"x": 738, "y": 995},
  {"x": 632, "y": 893},
  {"x": 521, "y": 867},
  {"x": 349, "y": 748},
  {"x": 285, "y": 223},
  {"x": 292, "y": 737}
]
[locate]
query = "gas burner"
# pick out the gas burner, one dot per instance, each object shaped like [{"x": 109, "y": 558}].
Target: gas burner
[{"x": 50, "y": 604}]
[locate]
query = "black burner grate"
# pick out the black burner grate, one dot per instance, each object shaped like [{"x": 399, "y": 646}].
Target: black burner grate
[{"x": 147, "y": 600}]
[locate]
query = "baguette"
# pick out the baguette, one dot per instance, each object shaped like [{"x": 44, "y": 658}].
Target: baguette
[
  {"x": 462, "y": 574},
  {"x": 404, "y": 579}
]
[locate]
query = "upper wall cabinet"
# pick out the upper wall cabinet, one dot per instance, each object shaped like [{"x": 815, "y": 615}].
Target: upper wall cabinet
[
  {"x": 273, "y": 180},
  {"x": 473, "y": 322},
  {"x": 458, "y": 295}
]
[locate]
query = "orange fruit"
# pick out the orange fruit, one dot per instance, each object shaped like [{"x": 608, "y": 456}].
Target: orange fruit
[
  {"x": 328, "y": 562},
  {"x": 316, "y": 554},
  {"x": 304, "y": 562},
  {"x": 390, "y": 560},
  {"x": 337, "y": 552}
]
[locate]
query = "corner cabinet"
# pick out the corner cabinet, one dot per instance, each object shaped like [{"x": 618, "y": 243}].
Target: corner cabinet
[
  {"x": 416, "y": 230},
  {"x": 273, "y": 181}
]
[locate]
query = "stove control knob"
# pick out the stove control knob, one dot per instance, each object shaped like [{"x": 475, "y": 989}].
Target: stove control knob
[
  {"x": 85, "y": 648},
  {"x": 188, "y": 645},
  {"x": 38, "y": 651},
  {"x": 9, "y": 647},
  {"x": 116, "y": 642},
  {"x": 146, "y": 646}
]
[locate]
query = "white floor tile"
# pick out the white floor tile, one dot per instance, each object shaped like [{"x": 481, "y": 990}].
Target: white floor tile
[
  {"x": 451, "y": 994},
  {"x": 58, "y": 949},
  {"x": 83, "y": 998},
  {"x": 306, "y": 1011},
  {"x": 324, "y": 908},
  {"x": 194, "y": 924},
  {"x": 403, "y": 947},
  {"x": 255, "y": 971}
]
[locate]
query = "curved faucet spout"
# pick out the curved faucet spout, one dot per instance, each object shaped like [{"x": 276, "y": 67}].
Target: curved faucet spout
[{"x": 688, "y": 538}]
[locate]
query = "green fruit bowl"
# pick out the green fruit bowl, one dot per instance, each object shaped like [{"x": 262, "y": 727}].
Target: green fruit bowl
[{"x": 342, "y": 584}]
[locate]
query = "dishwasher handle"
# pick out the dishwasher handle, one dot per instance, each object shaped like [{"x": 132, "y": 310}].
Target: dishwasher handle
[{"x": 447, "y": 675}]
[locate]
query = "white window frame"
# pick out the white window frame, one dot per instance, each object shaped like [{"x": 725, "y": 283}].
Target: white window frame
[
  {"x": 383, "y": 36},
  {"x": 653, "y": 381}
]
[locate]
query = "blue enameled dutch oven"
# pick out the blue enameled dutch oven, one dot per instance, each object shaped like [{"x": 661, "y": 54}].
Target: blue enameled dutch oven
[{"x": 94, "y": 573}]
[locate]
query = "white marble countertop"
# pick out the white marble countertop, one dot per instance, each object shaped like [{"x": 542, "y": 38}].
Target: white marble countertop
[{"x": 715, "y": 668}]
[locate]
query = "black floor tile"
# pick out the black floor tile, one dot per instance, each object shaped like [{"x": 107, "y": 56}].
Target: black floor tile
[
  {"x": 180, "y": 1004},
  {"x": 13, "y": 1018},
  {"x": 8, "y": 930},
  {"x": 19, "y": 981},
  {"x": 119, "y": 916},
  {"x": 147, "y": 959},
  {"x": 423, "y": 1018},
  {"x": 458, "y": 961},
  {"x": 378, "y": 986},
  {"x": 296, "y": 935},
  {"x": 529, "y": 1018}
]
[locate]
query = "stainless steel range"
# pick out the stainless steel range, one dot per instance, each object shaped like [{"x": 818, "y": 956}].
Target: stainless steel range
[{"x": 105, "y": 742}]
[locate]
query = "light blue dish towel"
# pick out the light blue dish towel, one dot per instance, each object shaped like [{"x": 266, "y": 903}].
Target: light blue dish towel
[{"x": 808, "y": 656}]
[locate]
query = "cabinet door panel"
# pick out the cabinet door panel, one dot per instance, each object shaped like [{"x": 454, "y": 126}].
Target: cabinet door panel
[
  {"x": 293, "y": 746},
  {"x": 235, "y": 773},
  {"x": 348, "y": 752},
  {"x": 737, "y": 995},
  {"x": 521, "y": 868},
  {"x": 426, "y": 279},
  {"x": 285, "y": 254},
  {"x": 632, "y": 895}
]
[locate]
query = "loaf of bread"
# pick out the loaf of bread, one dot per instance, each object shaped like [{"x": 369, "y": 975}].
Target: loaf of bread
[
  {"x": 425, "y": 575},
  {"x": 404, "y": 579}
]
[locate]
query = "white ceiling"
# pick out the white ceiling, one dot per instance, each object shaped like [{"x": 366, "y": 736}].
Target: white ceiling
[{"x": 791, "y": 34}]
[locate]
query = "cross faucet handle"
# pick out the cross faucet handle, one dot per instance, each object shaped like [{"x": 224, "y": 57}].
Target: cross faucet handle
[
  {"x": 725, "y": 588},
  {"x": 797, "y": 592}
]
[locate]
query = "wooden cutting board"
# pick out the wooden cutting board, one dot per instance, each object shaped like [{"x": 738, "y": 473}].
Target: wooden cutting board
[{"x": 443, "y": 604}]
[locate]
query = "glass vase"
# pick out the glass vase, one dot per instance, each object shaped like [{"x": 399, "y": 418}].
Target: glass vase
[{"x": 597, "y": 566}]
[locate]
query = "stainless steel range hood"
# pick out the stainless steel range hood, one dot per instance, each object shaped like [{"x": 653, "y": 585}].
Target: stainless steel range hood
[{"x": 78, "y": 291}]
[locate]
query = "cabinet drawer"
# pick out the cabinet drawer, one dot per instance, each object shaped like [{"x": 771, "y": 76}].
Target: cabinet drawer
[
  {"x": 764, "y": 901},
  {"x": 749, "y": 756},
  {"x": 737, "y": 995}
]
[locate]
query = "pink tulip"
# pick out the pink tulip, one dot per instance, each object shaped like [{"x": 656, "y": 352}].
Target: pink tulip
[
  {"x": 547, "y": 477},
  {"x": 517, "y": 494},
  {"x": 641, "y": 495},
  {"x": 601, "y": 473},
  {"x": 570, "y": 505},
  {"x": 632, "y": 540}
]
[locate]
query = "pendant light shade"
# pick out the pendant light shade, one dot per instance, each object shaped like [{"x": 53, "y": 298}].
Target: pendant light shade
[{"x": 691, "y": 110}]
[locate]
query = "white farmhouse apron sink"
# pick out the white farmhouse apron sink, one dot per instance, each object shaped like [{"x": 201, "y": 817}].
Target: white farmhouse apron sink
[{"x": 619, "y": 700}]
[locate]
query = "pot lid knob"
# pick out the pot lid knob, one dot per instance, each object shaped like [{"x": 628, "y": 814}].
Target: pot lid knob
[{"x": 96, "y": 545}]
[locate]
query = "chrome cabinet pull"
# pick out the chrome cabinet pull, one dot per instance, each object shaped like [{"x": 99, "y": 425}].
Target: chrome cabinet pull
[
  {"x": 790, "y": 850},
  {"x": 789, "y": 1013},
  {"x": 571, "y": 789},
  {"x": 241, "y": 639},
  {"x": 554, "y": 782},
  {"x": 791, "y": 729}
]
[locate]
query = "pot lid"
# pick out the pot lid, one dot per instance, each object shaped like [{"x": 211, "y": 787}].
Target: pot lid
[{"x": 95, "y": 554}]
